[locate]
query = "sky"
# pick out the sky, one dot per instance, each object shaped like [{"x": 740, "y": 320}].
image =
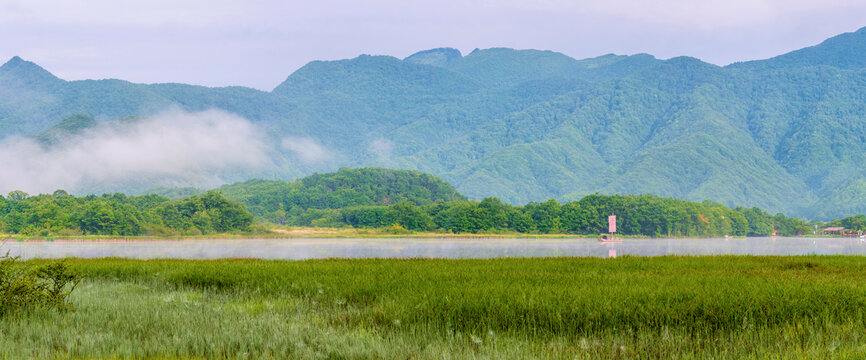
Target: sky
[{"x": 258, "y": 43}]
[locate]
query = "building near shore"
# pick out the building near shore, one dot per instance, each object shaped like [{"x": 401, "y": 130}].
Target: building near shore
[{"x": 833, "y": 231}]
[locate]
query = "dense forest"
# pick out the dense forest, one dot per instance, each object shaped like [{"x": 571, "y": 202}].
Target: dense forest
[
  {"x": 392, "y": 200},
  {"x": 288, "y": 202},
  {"x": 411, "y": 200},
  {"x": 117, "y": 214},
  {"x": 637, "y": 215}
]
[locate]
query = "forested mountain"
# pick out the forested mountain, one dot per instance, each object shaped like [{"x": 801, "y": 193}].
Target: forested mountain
[
  {"x": 70, "y": 126},
  {"x": 785, "y": 134},
  {"x": 276, "y": 200}
]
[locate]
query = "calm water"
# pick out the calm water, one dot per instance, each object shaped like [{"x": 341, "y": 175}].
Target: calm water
[{"x": 430, "y": 248}]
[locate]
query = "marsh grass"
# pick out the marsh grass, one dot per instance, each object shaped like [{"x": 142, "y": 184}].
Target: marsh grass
[{"x": 666, "y": 307}]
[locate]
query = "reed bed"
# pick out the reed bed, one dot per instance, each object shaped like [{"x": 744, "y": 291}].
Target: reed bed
[{"x": 660, "y": 307}]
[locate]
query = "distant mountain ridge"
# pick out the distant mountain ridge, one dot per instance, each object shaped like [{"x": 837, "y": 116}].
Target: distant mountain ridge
[
  {"x": 844, "y": 51},
  {"x": 786, "y": 133},
  {"x": 437, "y": 57}
]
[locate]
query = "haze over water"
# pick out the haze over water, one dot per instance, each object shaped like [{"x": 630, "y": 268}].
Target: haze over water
[{"x": 451, "y": 248}]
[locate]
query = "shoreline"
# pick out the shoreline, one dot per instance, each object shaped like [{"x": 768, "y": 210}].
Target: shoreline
[
  {"x": 452, "y": 237},
  {"x": 339, "y": 233}
]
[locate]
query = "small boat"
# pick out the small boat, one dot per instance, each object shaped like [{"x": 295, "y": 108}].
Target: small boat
[{"x": 608, "y": 238}]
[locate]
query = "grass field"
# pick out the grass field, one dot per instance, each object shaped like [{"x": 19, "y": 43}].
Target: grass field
[{"x": 660, "y": 307}]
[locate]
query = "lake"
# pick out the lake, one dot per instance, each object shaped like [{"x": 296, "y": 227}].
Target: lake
[{"x": 453, "y": 248}]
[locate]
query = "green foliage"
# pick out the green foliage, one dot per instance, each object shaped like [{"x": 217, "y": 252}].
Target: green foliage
[
  {"x": 17, "y": 195},
  {"x": 26, "y": 287},
  {"x": 304, "y": 200},
  {"x": 854, "y": 223},
  {"x": 367, "y": 216},
  {"x": 380, "y": 198},
  {"x": 410, "y": 216},
  {"x": 460, "y": 217},
  {"x": 118, "y": 214},
  {"x": 646, "y": 215}
]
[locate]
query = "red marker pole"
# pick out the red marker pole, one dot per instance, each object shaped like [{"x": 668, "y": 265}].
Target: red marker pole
[{"x": 611, "y": 227}]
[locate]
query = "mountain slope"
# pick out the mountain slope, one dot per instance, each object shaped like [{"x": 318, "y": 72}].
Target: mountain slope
[
  {"x": 786, "y": 134},
  {"x": 843, "y": 51},
  {"x": 72, "y": 125}
]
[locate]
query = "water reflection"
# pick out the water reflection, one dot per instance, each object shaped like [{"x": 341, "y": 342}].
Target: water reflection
[{"x": 297, "y": 249}]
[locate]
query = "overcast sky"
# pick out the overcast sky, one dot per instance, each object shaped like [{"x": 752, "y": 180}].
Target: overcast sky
[{"x": 258, "y": 43}]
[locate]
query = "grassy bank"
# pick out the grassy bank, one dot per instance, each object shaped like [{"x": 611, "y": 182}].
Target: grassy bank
[{"x": 723, "y": 307}]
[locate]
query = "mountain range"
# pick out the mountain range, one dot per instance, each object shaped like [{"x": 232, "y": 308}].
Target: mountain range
[{"x": 787, "y": 134}]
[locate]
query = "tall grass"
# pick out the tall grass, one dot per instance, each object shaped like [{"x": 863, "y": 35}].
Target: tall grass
[{"x": 728, "y": 307}]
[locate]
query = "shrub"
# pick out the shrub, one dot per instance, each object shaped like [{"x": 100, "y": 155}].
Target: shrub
[
  {"x": 395, "y": 229},
  {"x": 24, "y": 287}
]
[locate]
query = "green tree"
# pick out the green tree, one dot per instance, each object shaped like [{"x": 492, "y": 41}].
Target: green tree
[
  {"x": 410, "y": 216},
  {"x": 17, "y": 195},
  {"x": 546, "y": 216}
]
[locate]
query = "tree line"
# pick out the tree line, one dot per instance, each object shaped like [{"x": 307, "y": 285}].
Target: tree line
[
  {"x": 212, "y": 212},
  {"x": 118, "y": 214},
  {"x": 412, "y": 200},
  {"x": 646, "y": 215}
]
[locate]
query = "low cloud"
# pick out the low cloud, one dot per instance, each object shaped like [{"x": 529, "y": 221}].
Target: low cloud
[
  {"x": 307, "y": 149},
  {"x": 171, "y": 149},
  {"x": 382, "y": 148}
]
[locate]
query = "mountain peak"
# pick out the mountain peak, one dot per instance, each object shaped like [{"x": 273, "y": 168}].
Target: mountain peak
[
  {"x": 15, "y": 60},
  {"x": 365, "y": 75},
  {"x": 435, "y": 57},
  {"x": 844, "y": 51},
  {"x": 17, "y": 63},
  {"x": 25, "y": 72}
]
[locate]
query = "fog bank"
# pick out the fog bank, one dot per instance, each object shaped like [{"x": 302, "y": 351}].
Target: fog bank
[{"x": 172, "y": 148}]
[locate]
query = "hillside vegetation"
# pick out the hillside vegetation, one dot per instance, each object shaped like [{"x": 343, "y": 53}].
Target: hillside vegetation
[
  {"x": 644, "y": 215},
  {"x": 400, "y": 200},
  {"x": 117, "y": 214},
  {"x": 787, "y": 134},
  {"x": 377, "y": 198},
  {"x": 278, "y": 201}
]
